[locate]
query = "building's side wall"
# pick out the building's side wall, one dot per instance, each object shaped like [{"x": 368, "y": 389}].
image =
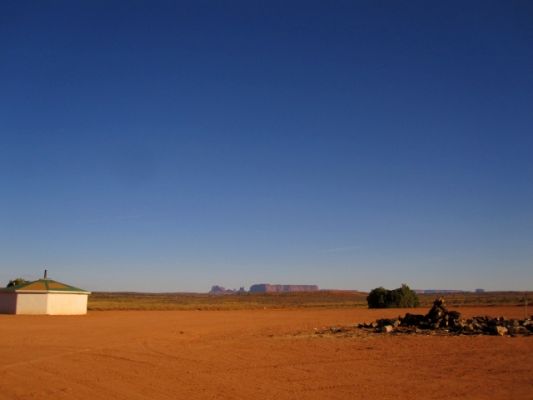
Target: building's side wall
[
  {"x": 67, "y": 304},
  {"x": 32, "y": 303},
  {"x": 8, "y": 303}
]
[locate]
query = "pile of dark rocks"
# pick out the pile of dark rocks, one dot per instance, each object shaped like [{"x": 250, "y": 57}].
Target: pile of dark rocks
[{"x": 439, "y": 320}]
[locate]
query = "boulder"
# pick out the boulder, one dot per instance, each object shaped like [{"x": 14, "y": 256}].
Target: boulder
[
  {"x": 518, "y": 330},
  {"x": 440, "y": 319},
  {"x": 388, "y": 321},
  {"x": 499, "y": 330},
  {"x": 412, "y": 319}
]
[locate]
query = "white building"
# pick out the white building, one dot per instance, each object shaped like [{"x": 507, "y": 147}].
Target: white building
[{"x": 43, "y": 296}]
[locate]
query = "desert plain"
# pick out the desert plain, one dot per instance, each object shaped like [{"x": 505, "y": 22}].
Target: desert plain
[{"x": 258, "y": 353}]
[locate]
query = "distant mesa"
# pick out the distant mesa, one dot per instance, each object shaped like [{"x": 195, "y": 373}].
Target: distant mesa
[
  {"x": 216, "y": 289},
  {"x": 268, "y": 288},
  {"x": 438, "y": 291},
  {"x": 264, "y": 288},
  {"x": 448, "y": 291}
]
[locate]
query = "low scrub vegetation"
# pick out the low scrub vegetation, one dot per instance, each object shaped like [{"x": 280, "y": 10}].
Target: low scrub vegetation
[
  {"x": 320, "y": 299},
  {"x": 403, "y": 297},
  {"x": 17, "y": 282},
  {"x": 197, "y": 301}
]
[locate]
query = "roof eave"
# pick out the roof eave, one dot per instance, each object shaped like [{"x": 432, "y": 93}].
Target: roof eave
[{"x": 50, "y": 291}]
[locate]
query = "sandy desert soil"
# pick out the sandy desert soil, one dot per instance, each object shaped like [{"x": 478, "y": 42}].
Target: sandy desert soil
[{"x": 260, "y": 354}]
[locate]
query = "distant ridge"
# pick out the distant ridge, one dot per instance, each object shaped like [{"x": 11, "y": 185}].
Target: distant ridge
[
  {"x": 216, "y": 289},
  {"x": 436, "y": 291},
  {"x": 268, "y": 288}
]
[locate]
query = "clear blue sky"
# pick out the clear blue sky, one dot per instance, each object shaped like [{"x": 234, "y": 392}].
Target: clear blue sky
[{"x": 169, "y": 146}]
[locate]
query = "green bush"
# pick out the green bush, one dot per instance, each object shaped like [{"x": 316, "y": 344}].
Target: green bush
[
  {"x": 16, "y": 282},
  {"x": 402, "y": 297},
  {"x": 377, "y": 298}
]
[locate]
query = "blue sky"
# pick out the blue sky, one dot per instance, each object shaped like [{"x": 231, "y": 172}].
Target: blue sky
[{"x": 170, "y": 146}]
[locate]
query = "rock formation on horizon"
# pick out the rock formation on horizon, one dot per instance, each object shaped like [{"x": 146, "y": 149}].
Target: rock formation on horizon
[{"x": 268, "y": 288}]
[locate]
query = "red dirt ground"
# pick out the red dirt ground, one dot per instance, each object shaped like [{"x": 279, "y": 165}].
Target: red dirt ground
[{"x": 261, "y": 354}]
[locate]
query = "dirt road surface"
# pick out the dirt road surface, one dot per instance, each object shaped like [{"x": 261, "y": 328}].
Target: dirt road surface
[{"x": 259, "y": 354}]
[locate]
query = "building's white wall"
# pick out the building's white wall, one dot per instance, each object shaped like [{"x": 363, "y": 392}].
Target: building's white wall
[
  {"x": 43, "y": 303},
  {"x": 32, "y": 303},
  {"x": 8, "y": 303},
  {"x": 67, "y": 304}
]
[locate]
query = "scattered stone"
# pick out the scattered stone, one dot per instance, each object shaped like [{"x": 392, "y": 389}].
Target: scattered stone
[
  {"x": 412, "y": 319},
  {"x": 518, "y": 330},
  {"x": 499, "y": 330},
  {"x": 440, "y": 321},
  {"x": 383, "y": 322}
]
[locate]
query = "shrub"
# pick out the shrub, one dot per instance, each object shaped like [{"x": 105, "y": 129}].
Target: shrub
[
  {"x": 402, "y": 297},
  {"x": 377, "y": 298},
  {"x": 16, "y": 282}
]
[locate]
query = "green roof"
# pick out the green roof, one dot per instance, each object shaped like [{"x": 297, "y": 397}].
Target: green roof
[{"x": 43, "y": 285}]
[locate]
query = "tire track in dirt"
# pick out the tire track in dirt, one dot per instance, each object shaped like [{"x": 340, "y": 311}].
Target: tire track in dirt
[{"x": 250, "y": 354}]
